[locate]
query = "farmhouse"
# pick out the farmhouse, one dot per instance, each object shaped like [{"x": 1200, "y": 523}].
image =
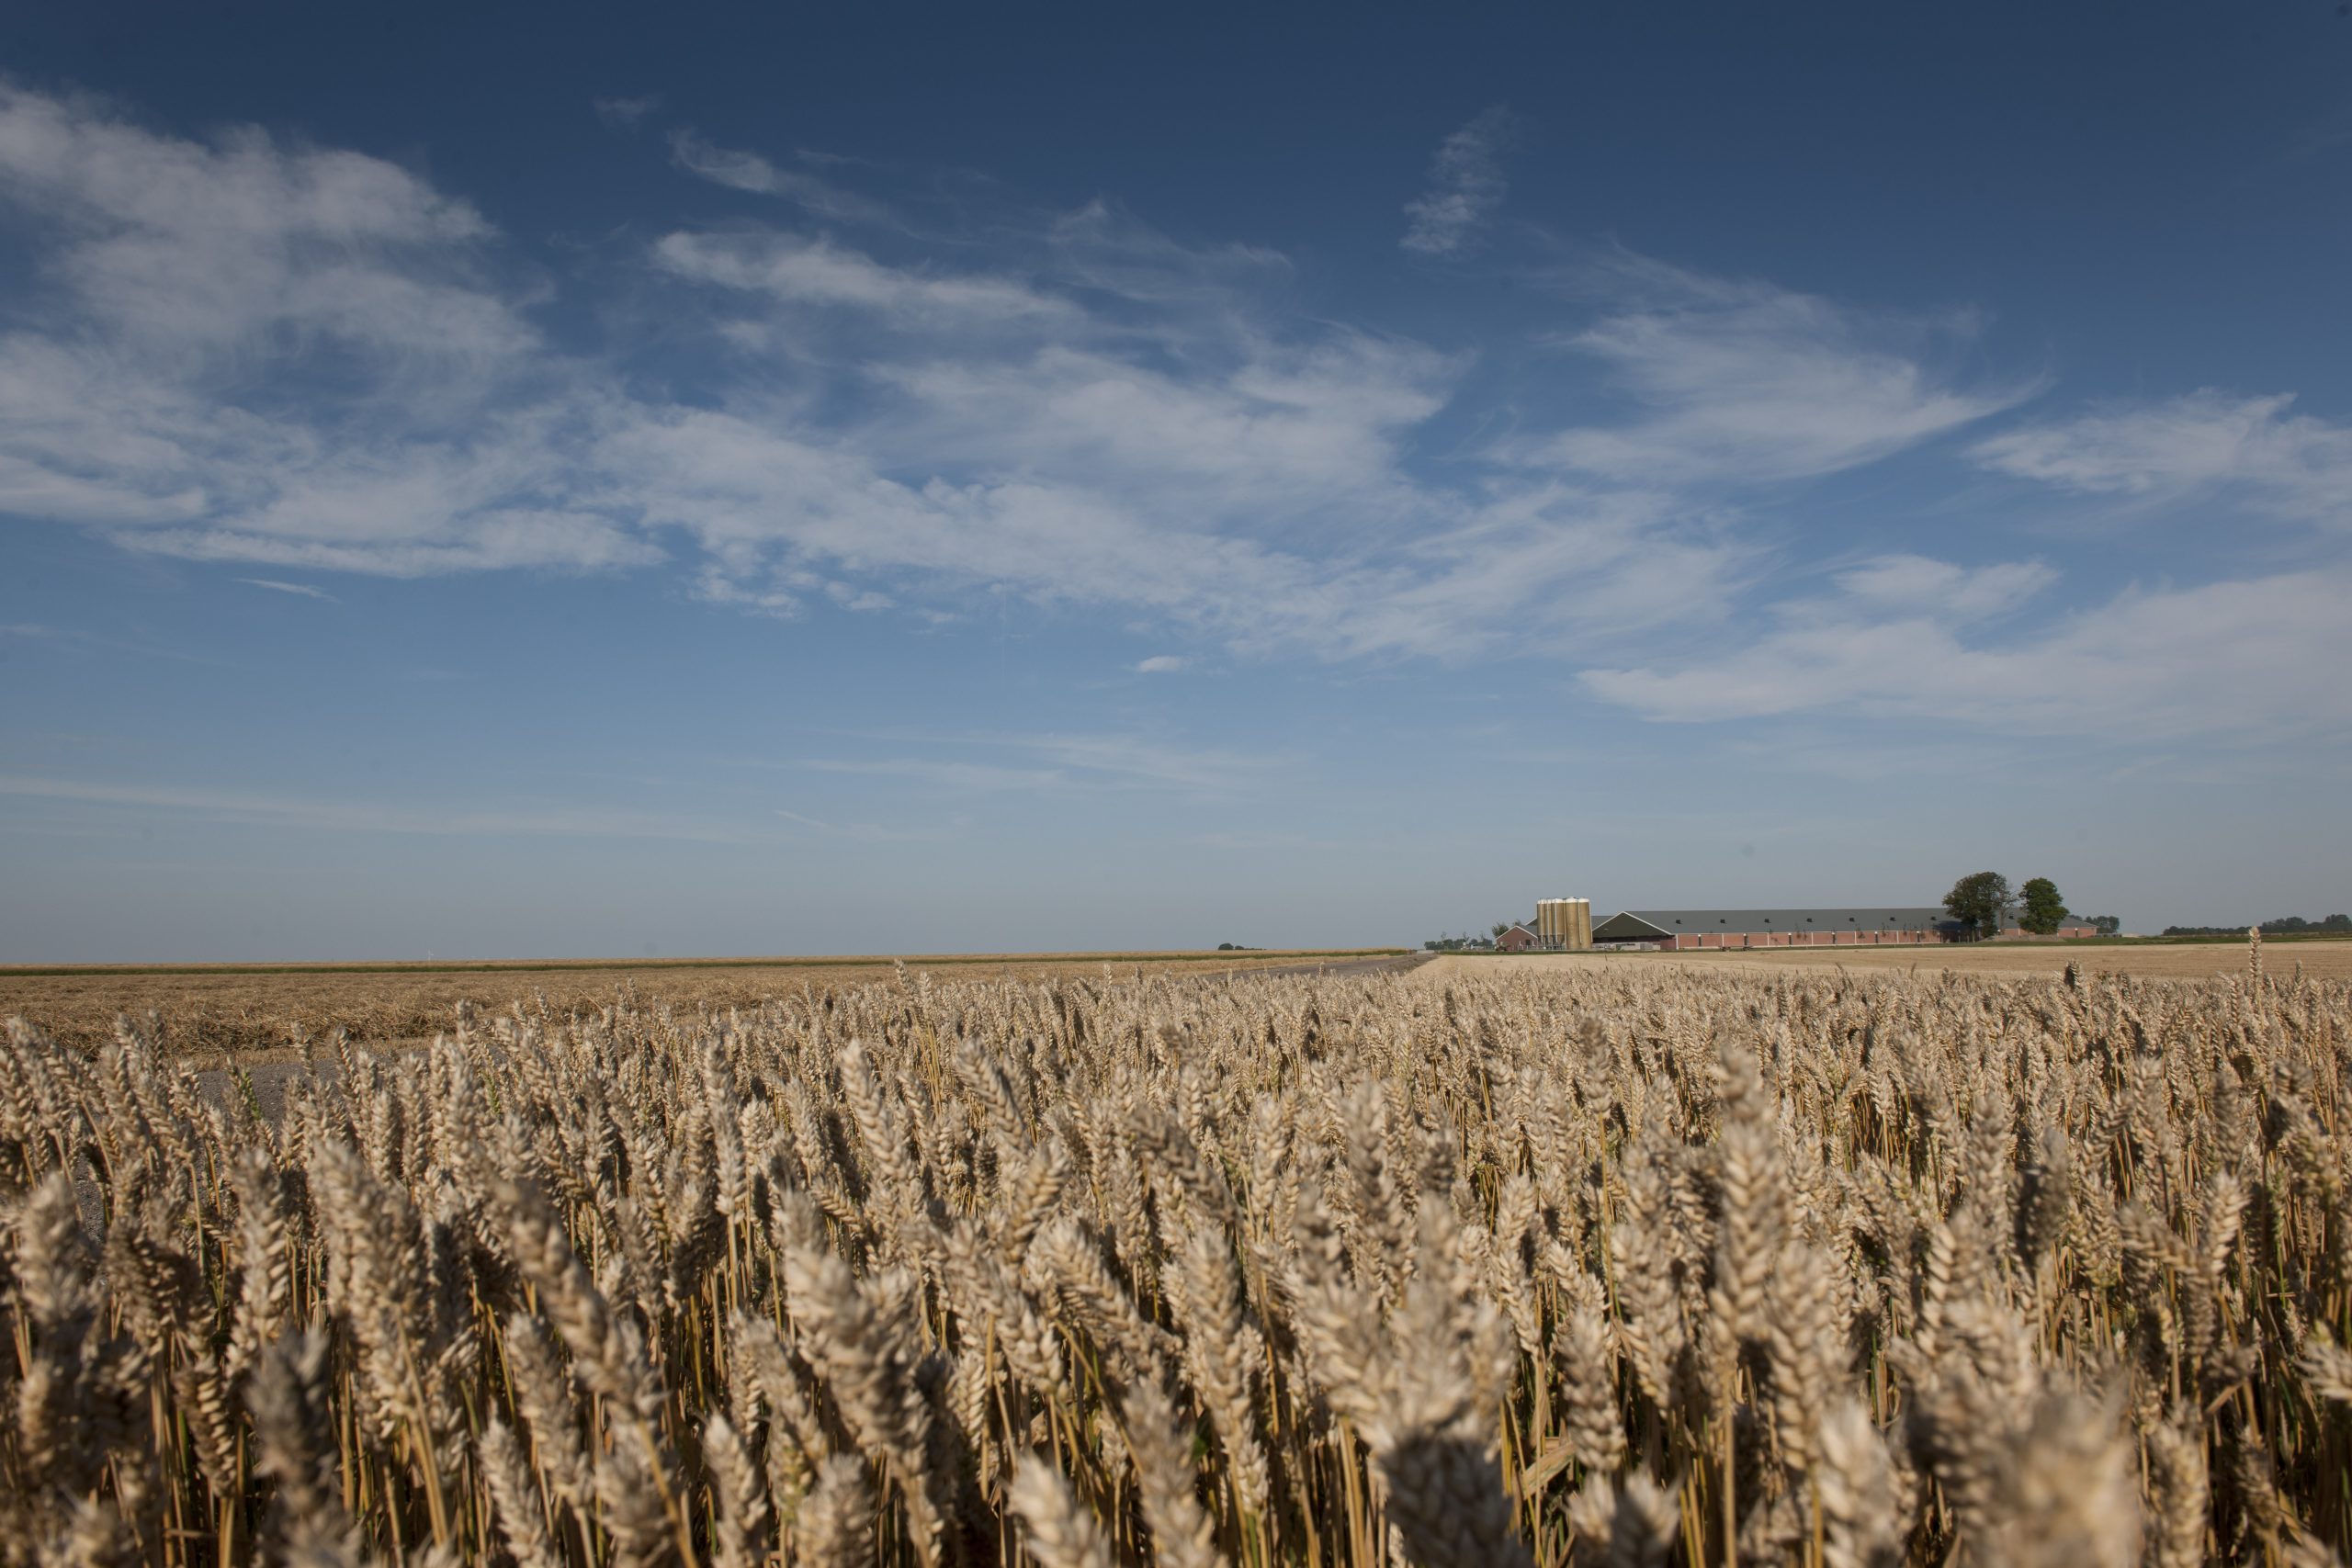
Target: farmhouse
[
  {"x": 1517, "y": 939},
  {"x": 1774, "y": 927}
]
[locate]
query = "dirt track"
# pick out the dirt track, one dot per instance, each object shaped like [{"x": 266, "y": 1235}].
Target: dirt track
[{"x": 2322, "y": 959}]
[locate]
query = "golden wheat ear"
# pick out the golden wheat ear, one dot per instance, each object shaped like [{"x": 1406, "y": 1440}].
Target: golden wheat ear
[{"x": 1618, "y": 1264}]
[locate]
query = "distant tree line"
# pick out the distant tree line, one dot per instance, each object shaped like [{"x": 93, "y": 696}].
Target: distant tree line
[
  {"x": 2284, "y": 925},
  {"x": 1462, "y": 943},
  {"x": 1981, "y": 901}
]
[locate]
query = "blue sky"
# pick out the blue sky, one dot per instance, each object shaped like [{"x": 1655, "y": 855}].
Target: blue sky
[{"x": 509, "y": 482}]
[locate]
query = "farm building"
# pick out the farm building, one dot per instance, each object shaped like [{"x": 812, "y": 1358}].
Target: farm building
[
  {"x": 1517, "y": 939},
  {"x": 1774, "y": 927},
  {"x": 2016, "y": 932}
]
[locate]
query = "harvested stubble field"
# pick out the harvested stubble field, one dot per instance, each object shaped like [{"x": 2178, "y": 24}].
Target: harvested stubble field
[
  {"x": 263, "y": 1008},
  {"x": 1609, "y": 1264}
]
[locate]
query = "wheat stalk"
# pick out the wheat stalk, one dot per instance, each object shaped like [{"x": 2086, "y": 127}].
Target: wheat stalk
[{"x": 1612, "y": 1264}]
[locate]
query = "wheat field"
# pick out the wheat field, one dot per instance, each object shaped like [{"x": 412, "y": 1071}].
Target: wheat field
[
  {"x": 1622, "y": 1265},
  {"x": 253, "y": 1010}
]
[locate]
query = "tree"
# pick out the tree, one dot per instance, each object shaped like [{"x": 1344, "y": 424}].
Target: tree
[
  {"x": 1500, "y": 927},
  {"x": 1979, "y": 901},
  {"x": 2107, "y": 925},
  {"x": 2044, "y": 911}
]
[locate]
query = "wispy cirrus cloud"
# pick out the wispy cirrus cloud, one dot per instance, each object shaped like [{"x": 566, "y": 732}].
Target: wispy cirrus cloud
[
  {"x": 1465, "y": 187},
  {"x": 1741, "y": 382},
  {"x": 816, "y": 272},
  {"x": 1944, "y": 591},
  {"x": 302, "y": 589},
  {"x": 741, "y": 170},
  {"x": 2203, "y": 442},
  {"x": 2253, "y": 659},
  {"x": 246, "y": 350}
]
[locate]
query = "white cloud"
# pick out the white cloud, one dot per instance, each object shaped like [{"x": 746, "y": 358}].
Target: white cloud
[
  {"x": 1161, "y": 664},
  {"x": 1102, "y": 251},
  {"x": 1939, "y": 589},
  {"x": 183, "y": 248},
  {"x": 250, "y": 351},
  {"x": 713, "y": 586},
  {"x": 2257, "y": 658},
  {"x": 265, "y": 354},
  {"x": 255, "y": 352},
  {"x": 1284, "y": 432},
  {"x": 486, "y": 540},
  {"x": 2204, "y": 441},
  {"x": 1465, "y": 187},
  {"x": 748, "y": 171},
  {"x": 816, "y": 271},
  {"x": 1744, "y": 382},
  {"x": 861, "y": 601},
  {"x": 303, "y": 589},
  {"x": 1536, "y": 573}
]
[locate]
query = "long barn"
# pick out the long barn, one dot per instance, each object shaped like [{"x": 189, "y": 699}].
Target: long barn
[{"x": 1774, "y": 927}]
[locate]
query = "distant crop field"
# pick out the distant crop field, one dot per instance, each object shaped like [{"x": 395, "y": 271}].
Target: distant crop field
[{"x": 261, "y": 1008}]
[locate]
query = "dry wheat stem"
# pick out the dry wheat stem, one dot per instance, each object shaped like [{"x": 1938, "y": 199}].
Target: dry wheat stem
[{"x": 1602, "y": 1266}]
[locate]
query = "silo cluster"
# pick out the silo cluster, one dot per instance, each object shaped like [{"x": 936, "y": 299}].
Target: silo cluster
[{"x": 1563, "y": 923}]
